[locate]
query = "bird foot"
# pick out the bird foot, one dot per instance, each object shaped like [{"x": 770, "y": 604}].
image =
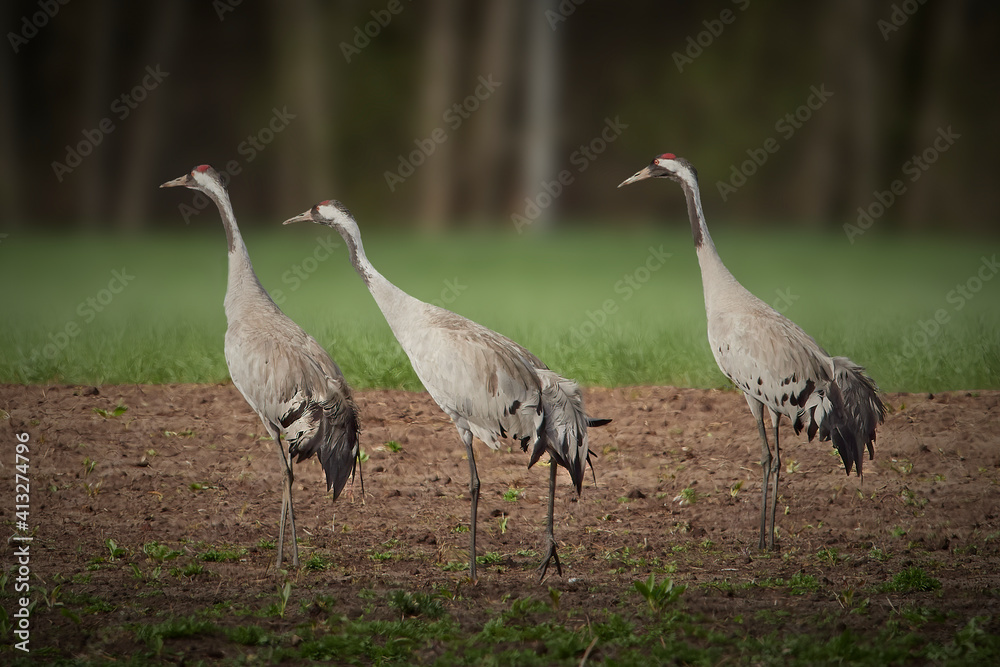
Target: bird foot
[{"x": 552, "y": 555}]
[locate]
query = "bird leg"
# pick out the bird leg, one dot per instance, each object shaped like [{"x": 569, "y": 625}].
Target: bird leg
[
  {"x": 765, "y": 463},
  {"x": 474, "y": 494},
  {"x": 286, "y": 501},
  {"x": 776, "y": 468},
  {"x": 549, "y": 533}
]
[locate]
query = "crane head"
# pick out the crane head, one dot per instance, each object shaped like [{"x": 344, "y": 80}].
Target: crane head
[
  {"x": 669, "y": 166},
  {"x": 201, "y": 177},
  {"x": 330, "y": 213}
]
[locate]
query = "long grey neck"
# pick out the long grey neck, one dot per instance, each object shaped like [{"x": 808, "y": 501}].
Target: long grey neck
[
  {"x": 392, "y": 301},
  {"x": 715, "y": 277},
  {"x": 699, "y": 230},
  {"x": 243, "y": 283}
]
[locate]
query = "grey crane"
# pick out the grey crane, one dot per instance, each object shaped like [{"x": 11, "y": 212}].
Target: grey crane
[
  {"x": 490, "y": 386},
  {"x": 777, "y": 365},
  {"x": 283, "y": 373}
]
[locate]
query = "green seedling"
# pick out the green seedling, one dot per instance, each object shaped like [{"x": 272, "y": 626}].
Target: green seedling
[
  {"x": 117, "y": 412},
  {"x": 659, "y": 595}
]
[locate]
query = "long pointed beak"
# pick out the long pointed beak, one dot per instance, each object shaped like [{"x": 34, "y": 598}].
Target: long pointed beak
[
  {"x": 178, "y": 182},
  {"x": 301, "y": 217},
  {"x": 637, "y": 176}
]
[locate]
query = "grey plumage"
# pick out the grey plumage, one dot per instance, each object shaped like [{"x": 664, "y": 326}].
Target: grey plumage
[
  {"x": 777, "y": 365},
  {"x": 289, "y": 380},
  {"x": 491, "y": 387}
]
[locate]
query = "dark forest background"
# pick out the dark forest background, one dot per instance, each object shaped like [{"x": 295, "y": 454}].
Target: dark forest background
[{"x": 343, "y": 91}]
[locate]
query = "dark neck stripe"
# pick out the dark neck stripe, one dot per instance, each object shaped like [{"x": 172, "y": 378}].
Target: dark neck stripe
[{"x": 693, "y": 214}]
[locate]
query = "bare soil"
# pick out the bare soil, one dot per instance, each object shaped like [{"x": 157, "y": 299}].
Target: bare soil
[{"x": 677, "y": 493}]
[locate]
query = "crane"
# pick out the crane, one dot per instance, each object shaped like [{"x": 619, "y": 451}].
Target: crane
[
  {"x": 490, "y": 386},
  {"x": 777, "y": 365},
  {"x": 289, "y": 380}
]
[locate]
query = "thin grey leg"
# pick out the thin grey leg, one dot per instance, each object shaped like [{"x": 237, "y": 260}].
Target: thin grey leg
[
  {"x": 474, "y": 494},
  {"x": 765, "y": 464},
  {"x": 776, "y": 467},
  {"x": 549, "y": 531},
  {"x": 286, "y": 501}
]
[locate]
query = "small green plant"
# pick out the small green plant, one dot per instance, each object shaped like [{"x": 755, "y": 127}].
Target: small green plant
[
  {"x": 386, "y": 553},
  {"x": 249, "y": 635},
  {"x": 114, "y": 550},
  {"x": 513, "y": 494},
  {"x": 490, "y": 558},
  {"x": 902, "y": 466},
  {"x": 189, "y": 626},
  {"x": 362, "y": 456},
  {"x": 659, "y": 595},
  {"x": 911, "y": 580},
  {"x": 216, "y": 555},
  {"x": 88, "y": 466},
  {"x": 152, "y": 575},
  {"x": 460, "y": 528},
  {"x": 284, "y": 593},
  {"x": 317, "y": 563},
  {"x": 829, "y": 555},
  {"x": 554, "y": 596},
  {"x": 734, "y": 490},
  {"x": 801, "y": 583},
  {"x": 502, "y": 523},
  {"x": 415, "y": 604},
  {"x": 190, "y": 570},
  {"x": 117, "y": 412},
  {"x": 51, "y": 597},
  {"x": 847, "y": 600},
  {"x": 687, "y": 496},
  {"x": 898, "y": 532},
  {"x": 159, "y": 552},
  {"x": 910, "y": 498},
  {"x": 792, "y": 467},
  {"x": 878, "y": 555},
  {"x": 393, "y": 446}
]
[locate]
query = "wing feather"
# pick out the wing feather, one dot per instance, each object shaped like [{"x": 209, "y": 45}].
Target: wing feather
[{"x": 291, "y": 381}]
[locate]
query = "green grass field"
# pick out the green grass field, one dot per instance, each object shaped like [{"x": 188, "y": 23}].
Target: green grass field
[{"x": 604, "y": 307}]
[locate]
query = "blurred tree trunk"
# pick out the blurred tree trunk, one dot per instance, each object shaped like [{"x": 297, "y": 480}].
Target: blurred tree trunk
[
  {"x": 143, "y": 123},
  {"x": 489, "y": 150},
  {"x": 304, "y": 84},
  {"x": 94, "y": 179},
  {"x": 10, "y": 193},
  {"x": 941, "y": 36},
  {"x": 860, "y": 168},
  {"x": 441, "y": 56},
  {"x": 541, "y": 137},
  {"x": 838, "y": 163}
]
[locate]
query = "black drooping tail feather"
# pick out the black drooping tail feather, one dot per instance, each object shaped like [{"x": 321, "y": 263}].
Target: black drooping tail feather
[
  {"x": 591, "y": 423},
  {"x": 858, "y": 410},
  {"x": 335, "y": 442},
  {"x": 562, "y": 432}
]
